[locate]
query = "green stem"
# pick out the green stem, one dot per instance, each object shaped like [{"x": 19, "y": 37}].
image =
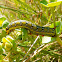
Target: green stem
[
  {"x": 47, "y": 14},
  {"x": 53, "y": 14},
  {"x": 59, "y": 41}
]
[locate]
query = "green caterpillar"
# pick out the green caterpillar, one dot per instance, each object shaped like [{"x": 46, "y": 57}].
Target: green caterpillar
[{"x": 34, "y": 29}]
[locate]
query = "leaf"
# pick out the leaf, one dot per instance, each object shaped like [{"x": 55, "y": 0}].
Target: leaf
[
  {"x": 26, "y": 42},
  {"x": 19, "y": 49},
  {"x": 43, "y": 17},
  {"x": 23, "y": 0},
  {"x": 14, "y": 48},
  {"x": 61, "y": 27},
  {"x": 52, "y": 25},
  {"x": 1, "y": 35},
  {"x": 44, "y": 2},
  {"x": 54, "y": 4},
  {"x": 1, "y": 58},
  {"x": 16, "y": 2},
  {"x": 5, "y": 24},
  {"x": 8, "y": 46},
  {"x": 53, "y": 0},
  {"x": 19, "y": 37},
  {"x": 2, "y": 20},
  {"x": 58, "y": 27},
  {"x": 1, "y": 50},
  {"x": 3, "y": 32},
  {"x": 53, "y": 39},
  {"x": 46, "y": 39},
  {"x": 9, "y": 38}
]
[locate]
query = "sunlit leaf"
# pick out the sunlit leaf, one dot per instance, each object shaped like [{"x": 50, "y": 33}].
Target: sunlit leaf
[
  {"x": 46, "y": 39},
  {"x": 18, "y": 49},
  {"x": 54, "y": 4},
  {"x": 8, "y": 46},
  {"x": 9, "y": 38},
  {"x": 22, "y": 0},
  {"x": 52, "y": 25}
]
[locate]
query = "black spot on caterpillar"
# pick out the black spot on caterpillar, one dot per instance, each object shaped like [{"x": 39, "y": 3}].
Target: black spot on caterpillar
[{"x": 34, "y": 29}]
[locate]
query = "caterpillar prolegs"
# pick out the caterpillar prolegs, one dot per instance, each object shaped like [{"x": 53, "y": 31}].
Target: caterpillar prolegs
[{"x": 34, "y": 29}]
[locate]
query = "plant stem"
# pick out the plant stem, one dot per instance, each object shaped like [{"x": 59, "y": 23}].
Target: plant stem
[
  {"x": 30, "y": 48},
  {"x": 53, "y": 14},
  {"x": 59, "y": 40},
  {"x": 39, "y": 50}
]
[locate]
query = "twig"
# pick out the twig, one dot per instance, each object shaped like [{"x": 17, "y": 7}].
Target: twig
[
  {"x": 36, "y": 60},
  {"x": 30, "y": 48},
  {"x": 7, "y": 55},
  {"x": 36, "y": 52}
]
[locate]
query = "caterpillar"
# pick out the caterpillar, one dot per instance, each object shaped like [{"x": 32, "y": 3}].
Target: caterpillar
[{"x": 34, "y": 29}]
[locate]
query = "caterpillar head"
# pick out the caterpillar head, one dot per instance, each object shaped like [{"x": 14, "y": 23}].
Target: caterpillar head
[{"x": 7, "y": 30}]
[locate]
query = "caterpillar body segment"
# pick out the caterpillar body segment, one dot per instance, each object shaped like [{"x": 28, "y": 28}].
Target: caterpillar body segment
[{"x": 34, "y": 29}]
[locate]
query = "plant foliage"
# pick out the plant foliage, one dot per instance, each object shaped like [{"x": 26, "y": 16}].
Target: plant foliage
[{"x": 28, "y": 47}]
